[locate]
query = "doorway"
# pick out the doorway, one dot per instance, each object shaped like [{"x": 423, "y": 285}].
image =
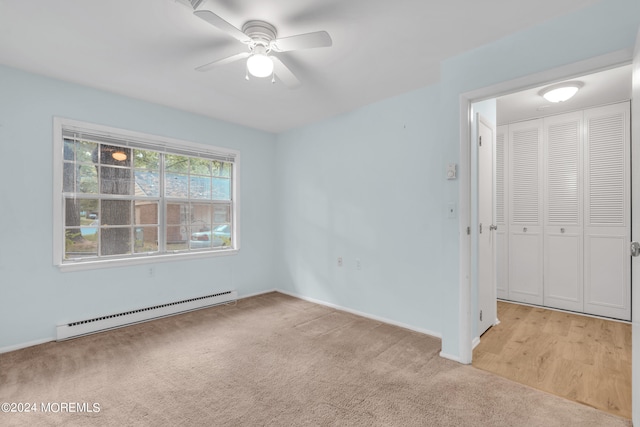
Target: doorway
[{"x": 537, "y": 346}]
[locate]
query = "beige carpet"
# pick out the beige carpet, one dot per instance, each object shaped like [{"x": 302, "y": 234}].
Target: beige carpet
[{"x": 270, "y": 360}]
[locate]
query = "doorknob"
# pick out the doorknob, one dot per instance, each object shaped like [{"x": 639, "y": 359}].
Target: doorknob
[
  {"x": 635, "y": 249},
  {"x": 493, "y": 227}
]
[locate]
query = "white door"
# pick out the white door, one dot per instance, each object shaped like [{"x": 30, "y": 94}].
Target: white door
[
  {"x": 487, "y": 308},
  {"x": 563, "y": 190},
  {"x": 525, "y": 212},
  {"x": 635, "y": 261},
  {"x": 607, "y": 288}
]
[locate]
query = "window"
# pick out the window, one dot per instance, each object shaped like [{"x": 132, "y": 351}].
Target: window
[{"x": 124, "y": 197}]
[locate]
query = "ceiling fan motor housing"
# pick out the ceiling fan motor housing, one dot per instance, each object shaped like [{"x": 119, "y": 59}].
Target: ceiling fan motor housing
[{"x": 260, "y": 32}]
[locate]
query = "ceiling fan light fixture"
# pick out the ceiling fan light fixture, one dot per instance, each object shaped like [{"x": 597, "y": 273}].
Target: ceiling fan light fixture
[
  {"x": 561, "y": 92},
  {"x": 260, "y": 65}
]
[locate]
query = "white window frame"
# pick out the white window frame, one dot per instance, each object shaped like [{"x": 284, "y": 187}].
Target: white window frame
[{"x": 170, "y": 144}]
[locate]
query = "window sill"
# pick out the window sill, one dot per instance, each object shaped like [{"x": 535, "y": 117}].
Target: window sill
[{"x": 153, "y": 259}]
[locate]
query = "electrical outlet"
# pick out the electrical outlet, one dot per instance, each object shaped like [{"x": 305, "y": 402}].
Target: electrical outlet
[
  {"x": 358, "y": 264},
  {"x": 339, "y": 261},
  {"x": 151, "y": 272}
]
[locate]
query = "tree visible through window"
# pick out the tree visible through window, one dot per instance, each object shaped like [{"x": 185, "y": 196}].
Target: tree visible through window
[{"x": 125, "y": 199}]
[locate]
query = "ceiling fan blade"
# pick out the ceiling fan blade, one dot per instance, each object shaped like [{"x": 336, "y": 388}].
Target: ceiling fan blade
[
  {"x": 223, "y": 25},
  {"x": 223, "y": 61},
  {"x": 284, "y": 73},
  {"x": 302, "y": 41}
]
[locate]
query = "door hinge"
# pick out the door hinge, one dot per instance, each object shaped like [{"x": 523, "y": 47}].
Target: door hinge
[
  {"x": 480, "y": 140},
  {"x": 481, "y": 315},
  {"x": 468, "y": 231}
]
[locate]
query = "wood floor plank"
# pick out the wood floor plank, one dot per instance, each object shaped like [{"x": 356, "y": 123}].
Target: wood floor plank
[{"x": 581, "y": 358}]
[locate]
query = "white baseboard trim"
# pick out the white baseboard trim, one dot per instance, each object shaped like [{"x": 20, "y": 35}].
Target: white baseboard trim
[
  {"x": 450, "y": 357},
  {"x": 20, "y": 346},
  {"x": 475, "y": 342},
  {"x": 362, "y": 314},
  {"x": 255, "y": 294}
]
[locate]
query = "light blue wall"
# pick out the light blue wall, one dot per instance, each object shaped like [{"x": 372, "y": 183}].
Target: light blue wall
[
  {"x": 367, "y": 185},
  {"x": 362, "y": 185},
  {"x": 34, "y": 295},
  {"x": 606, "y": 27}
]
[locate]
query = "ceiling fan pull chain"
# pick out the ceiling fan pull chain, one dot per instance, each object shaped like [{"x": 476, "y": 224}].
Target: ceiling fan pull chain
[
  {"x": 246, "y": 71},
  {"x": 273, "y": 78}
]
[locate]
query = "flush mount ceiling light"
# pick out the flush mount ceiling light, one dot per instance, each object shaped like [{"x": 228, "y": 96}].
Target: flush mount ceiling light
[
  {"x": 119, "y": 156},
  {"x": 560, "y": 92},
  {"x": 259, "y": 63}
]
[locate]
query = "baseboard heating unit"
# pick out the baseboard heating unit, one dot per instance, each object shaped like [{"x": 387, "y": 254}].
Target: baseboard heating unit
[{"x": 112, "y": 321}]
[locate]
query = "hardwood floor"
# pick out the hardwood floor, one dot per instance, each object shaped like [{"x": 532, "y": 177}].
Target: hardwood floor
[{"x": 581, "y": 358}]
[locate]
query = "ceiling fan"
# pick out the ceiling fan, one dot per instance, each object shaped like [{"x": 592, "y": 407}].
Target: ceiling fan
[{"x": 262, "y": 41}]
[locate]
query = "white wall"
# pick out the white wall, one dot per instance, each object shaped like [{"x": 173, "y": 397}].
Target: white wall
[{"x": 35, "y": 295}]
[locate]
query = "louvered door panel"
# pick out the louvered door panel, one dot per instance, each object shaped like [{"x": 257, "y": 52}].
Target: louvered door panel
[
  {"x": 525, "y": 212},
  {"x": 502, "y": 237},
  {"x": 607, "y": 220},
  {"x": 563, "y": 240}
]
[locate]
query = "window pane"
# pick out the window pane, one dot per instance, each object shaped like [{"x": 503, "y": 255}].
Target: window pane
[
  {"x": 222, "y": 214},
  {"x": 200, "y": 187},
  {"x": 175, "y": 163},
  {"x": 177, "y": 185},
  {"x": 115, "y": 241},
  {"x": 81, "y": 212},
  {"x": 221, "y": 189},
  {"x": 77, "y": 245},
  {"x": 144, "y": 159},
  {"x": 222, "y": 169},
  {"x": 113, "y": 155},
  {"x": 69, "y": 149},
  {"x": 221, "y": 236},
  {"x": 147, "y": 183},
  {"x": 177, "y": 213},
  {"x": 116, "y": 212},
  {"x": 200, "y": 167},
  {"x": 86, "y": 152},
  {"x": 146, "y": 239},
  {"x": 177, "y": 237},
  {"x": 68, "y": 177},
  {"x": 146, "y": 213},
  {"x": 115, "y": 181},
  {"x": 87, "y": 179},
  {"x": 201, "y": 215},
  {"x": 200, "y": 239}
]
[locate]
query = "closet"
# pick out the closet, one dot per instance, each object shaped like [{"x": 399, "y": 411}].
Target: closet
[{"x": 563, "y": 211}]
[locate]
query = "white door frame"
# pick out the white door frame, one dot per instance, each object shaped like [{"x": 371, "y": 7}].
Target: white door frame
[{"x": 599, "y": 63}]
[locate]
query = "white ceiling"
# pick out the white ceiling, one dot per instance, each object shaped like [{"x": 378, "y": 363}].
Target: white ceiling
[
  {"x": 605, "y": 87},
  {"x": 148, "y": 49}
]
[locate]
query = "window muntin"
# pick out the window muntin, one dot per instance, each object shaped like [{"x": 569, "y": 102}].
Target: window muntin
[{"x": 125, "y": 199}]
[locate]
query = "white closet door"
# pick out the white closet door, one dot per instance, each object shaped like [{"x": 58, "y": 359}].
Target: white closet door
[
  {"x": 563, "y": 241},
  {"x": 502, "y": 237},
  {"x": 525, "y": 212},
  {"x": 607, "y": 211}
]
